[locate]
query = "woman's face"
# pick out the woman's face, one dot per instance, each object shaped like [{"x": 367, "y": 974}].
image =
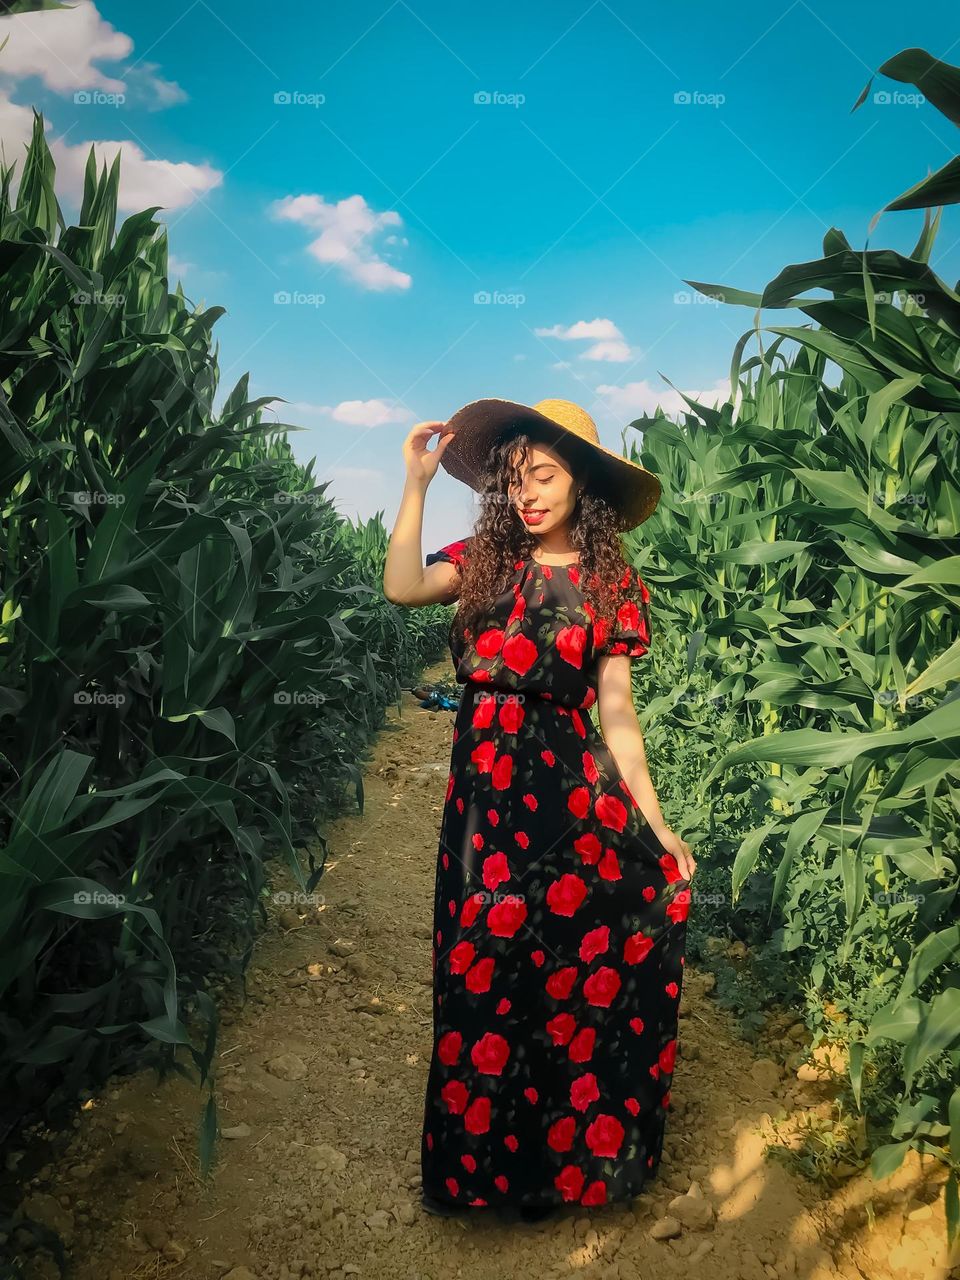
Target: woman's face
[{"x": 546, "y": 494}]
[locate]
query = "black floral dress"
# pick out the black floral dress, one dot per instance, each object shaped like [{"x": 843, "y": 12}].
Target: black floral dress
[{"x": 559, "y": 919}]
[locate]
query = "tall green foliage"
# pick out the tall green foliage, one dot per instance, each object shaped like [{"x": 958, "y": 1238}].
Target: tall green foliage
[
  {"x": 194, "y": 648},
  {"x": 807, "y": 558}
]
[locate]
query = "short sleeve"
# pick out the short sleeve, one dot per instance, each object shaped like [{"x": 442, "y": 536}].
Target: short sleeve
[
  {"x": 453, "y": 552},
  {"x": 628, "y": 632}
]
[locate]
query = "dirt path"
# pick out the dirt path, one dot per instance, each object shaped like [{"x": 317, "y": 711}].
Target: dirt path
[{"x": 322, "y": 1076}]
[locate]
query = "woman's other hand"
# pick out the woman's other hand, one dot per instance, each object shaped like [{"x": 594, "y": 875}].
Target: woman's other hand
[{"x": 680, "y": 850}]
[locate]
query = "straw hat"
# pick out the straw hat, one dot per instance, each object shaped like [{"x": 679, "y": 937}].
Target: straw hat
[{"x": 633, "y": 490}]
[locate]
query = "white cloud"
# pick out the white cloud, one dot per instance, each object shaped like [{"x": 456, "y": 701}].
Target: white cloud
[
  {"x": 347, "y": 229},
  {"x": 356, "y": 413},
  {"x": 640, "y": 399},
  {"x": 63, "y": 46},
  {"x": 608, "y": 342}
]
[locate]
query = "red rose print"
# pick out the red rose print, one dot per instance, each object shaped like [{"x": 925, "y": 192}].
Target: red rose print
[
  {"x": 569, "y": 1181},
  {"x": 502, "y": 772},
  {"x": 519, "y": 654},
  {"x": 522, "y": 839},
  {"x": 450, "y": 785},
  {"x": 590, "y": 770},
  {"x": 538, "y": 958},
  {"x": 454, "y": 1093},
  {"x": 480, "y": 975},
  {"x": 495, "y": 871},
  {"x": 668, "y": 1055},
  {"x": 581, "y": 1046},
  {"x": 511, "y": 1142},
  {"x": 677, "y": 909},
  {"x": 649, "y": 893},
  {"x": 608, "y": 867},
  {"x": 484, "y": 712},
  {"x": 489, "y": 643},
  {"x": 477, "y": 1116},
  {"x": 477, "y": 841},
  {"x": 672, "y": 989},
  {"x": 578, "y": 724},
  {"x": 571, "y": 643},
  {"x": 578, "y": 802},
  {"x": 489, "y": 1055},
  {"x": 588, "y": 846},
  {"x": 583, "y": 1091},
  {"x": 461, "y": 957},
  {"x": 566, "y": 894},
  {"x": 636, "y": 948},
  {"x": 611, "y": 812},
  {"x": 605, "y": 1136},
  {"x": 448, "y": 1048},
  {"x": 670, "y": 868},
  {"x": 504, "y": 1006},
  {"x": 601, "y": 987},
  {"x": 531, "y": 1095},
  {"x": 633, "y": 1106},
  {"x": 561, "y": 1027},
  {"x": 493, "y": 817},
  {"x": 511, "y": 715},
  {"x": 594, "y": 943},
  {"x": 548, "y": 757},
  {"x": 501, "y": 1183},
  {"x": 530, "y": 801},
  {"x": 560, "y": 1135},
  {"x": 469, "y": 1163},
  {"x": 595, "y": 1194},
  {"x": 471, "y": 909},
  {"x": 506, "y": 916},
  {"x": 636, "y": 1024},
  {"x": 560, "y": 984},
  {"x": 453, "y": 1186},
  {"x": 574, "y": 573},
  {"x": 483, "y": 755}
]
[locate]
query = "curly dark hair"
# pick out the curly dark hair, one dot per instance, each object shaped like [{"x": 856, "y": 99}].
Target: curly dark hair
[{"x": 500, "y": 539}]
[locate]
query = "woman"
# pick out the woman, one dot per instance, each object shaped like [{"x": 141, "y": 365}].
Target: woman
[{"x": 561, "y": 894}]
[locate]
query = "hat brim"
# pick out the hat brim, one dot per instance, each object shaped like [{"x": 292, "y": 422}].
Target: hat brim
[{"x": 479, "y": 424}]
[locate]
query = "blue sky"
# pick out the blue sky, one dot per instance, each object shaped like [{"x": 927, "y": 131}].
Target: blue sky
[{"x": 353, "y": 225}]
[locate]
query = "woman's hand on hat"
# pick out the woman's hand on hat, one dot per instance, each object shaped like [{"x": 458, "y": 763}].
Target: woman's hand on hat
[{"x": 422, "y": 462}]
